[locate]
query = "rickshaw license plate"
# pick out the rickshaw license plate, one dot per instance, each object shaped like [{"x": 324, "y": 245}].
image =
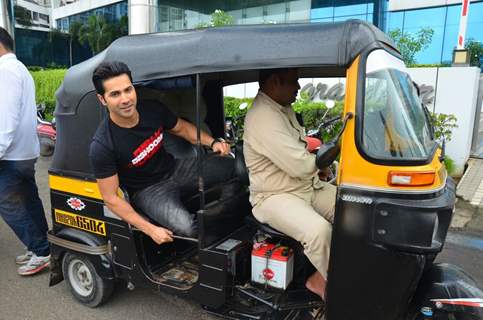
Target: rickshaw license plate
[{"x": 80, "y": 222}]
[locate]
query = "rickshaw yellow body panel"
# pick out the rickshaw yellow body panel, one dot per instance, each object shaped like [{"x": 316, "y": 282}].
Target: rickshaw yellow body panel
[
  {"x": 77, "y": 186},
  {"x": 356, "y": 171}
]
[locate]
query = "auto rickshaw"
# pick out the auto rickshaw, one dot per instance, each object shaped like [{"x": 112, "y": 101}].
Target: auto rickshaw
[{"x": 394, "y": 200}]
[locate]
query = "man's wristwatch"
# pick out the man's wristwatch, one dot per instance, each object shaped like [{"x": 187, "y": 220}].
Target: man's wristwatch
[{"x": 215, "y": 141}]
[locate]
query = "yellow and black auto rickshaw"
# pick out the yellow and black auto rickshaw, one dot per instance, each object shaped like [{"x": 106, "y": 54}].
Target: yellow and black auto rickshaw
[{"x": 394, "y": 199}]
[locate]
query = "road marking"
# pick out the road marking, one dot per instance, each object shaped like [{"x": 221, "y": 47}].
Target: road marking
[{"x": 465, "y": 241}]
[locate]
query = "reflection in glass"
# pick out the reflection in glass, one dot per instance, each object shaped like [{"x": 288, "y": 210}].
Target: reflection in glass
[
  {"x": 354, "y": 9},
  {"x": 475, "y": 22},
  {"x": 320, "y": 13},
  {"x": 394, "y": 21},
  {"x": 344, "y": 18}
]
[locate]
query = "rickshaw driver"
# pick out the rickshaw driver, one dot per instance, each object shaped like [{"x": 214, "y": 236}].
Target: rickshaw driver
[
  {"x": 285, "y": 190},
  {"x": 127, "y": 149}
]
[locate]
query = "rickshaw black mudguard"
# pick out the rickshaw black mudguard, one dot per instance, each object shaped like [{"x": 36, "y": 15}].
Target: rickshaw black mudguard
[
  {"x": 445, "y": 281},
  {"x": 381, "y": 245}
]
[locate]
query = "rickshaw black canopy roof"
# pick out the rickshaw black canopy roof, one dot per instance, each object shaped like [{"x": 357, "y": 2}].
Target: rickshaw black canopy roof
[{"x": 167, "y": 55}]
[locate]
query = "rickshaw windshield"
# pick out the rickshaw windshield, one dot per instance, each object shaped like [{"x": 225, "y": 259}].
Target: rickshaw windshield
[{"x": 395, "y": 125}]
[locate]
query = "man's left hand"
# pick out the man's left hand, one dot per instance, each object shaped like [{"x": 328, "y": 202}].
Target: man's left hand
[{"x": 222, "y": 148}]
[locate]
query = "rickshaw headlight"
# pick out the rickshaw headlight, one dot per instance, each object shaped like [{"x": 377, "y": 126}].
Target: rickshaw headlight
[{"x": 400, "y": 178}]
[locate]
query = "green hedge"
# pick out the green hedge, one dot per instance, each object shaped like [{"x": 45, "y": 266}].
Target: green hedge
[
  {"x": 312, "y": 113},
  {"x": 46, "y": 84}
]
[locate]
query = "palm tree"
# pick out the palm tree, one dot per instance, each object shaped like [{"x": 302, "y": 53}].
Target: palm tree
[
  {"x": 74, "y": 31},
  {"x": 98, "y": 33}
]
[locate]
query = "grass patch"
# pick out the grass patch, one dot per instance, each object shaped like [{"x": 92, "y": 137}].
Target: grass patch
[{"x": 46, "y": 84}]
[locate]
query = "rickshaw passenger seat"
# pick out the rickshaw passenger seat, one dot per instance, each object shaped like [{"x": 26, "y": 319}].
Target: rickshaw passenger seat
[
  {"x": 178, "y": 147},
  {"x": 217, "y": 205}
]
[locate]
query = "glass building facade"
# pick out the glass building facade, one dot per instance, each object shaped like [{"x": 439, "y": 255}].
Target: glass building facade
[
  {"x": 179, "y": 15},
  {"x": 445, "y": 23},
  {"x": 112, "y": 13},
  {"x": 174, "y": 15}
]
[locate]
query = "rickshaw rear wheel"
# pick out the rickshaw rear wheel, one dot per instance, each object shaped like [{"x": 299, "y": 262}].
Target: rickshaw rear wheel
[{"x": 84, "y": 282}]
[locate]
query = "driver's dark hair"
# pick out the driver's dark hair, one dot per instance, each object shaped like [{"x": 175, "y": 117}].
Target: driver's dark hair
[
  {"x": 264, "y": 74},
  {"x": 5, "y": 39},
  {"x": 108, "y": 70}
]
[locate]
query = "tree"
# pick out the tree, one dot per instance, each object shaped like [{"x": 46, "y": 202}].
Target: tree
[
  {"x": 475, "y": 49},
  {"x": 218, "y": 18},
  {"x": 122, "y": 27},
  {"x": 74, "y": 32},
  {"x": 22, "y": 16},
  {"x": 409, "y": 45},
  {"x": 98, "y": 33}
]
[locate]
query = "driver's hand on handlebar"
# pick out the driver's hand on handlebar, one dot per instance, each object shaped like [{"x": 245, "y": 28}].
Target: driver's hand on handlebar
[
  {"x": 221, "y": 147},
  {"x": 161, "y": 235},
  {"x": 324, "y": 173}
]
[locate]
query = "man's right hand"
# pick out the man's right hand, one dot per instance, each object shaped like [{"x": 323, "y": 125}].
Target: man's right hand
[{"x": 160, "y": 235}]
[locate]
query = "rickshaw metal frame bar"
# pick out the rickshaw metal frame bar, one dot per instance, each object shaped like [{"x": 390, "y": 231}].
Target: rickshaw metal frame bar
[
  {"x": 201, "y": 186},
  {"x": 79, "y": 247}
]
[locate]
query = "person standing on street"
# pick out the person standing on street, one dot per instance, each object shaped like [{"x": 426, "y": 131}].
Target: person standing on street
[{"x": 20, "y": 205}]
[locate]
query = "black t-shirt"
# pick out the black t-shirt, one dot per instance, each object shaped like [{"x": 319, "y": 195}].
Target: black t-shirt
[{"x": 136, "y": 154}]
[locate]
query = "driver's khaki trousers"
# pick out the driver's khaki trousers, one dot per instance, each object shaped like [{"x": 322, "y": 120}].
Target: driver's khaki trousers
[{"x": 307, "y": 221}]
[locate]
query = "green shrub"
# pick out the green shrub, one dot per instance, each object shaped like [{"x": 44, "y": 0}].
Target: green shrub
[
  {"x": 443, "y": 125},
  {"x": 46, "y": 84},
  {"x": 449, "y": 164},
  {"x": 232, "y": 105},
  {"x": 431, "y": 65},
  {"x": 34, "y": 68},
  {"x": 312, "y": 113}
]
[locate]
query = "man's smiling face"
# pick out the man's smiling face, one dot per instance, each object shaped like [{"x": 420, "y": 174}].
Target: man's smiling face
[{"x": 119, "y": 97}]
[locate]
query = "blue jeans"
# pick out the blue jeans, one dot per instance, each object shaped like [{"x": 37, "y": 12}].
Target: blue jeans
[
  {"x": 20, "y": 205},
  {"x": 163, "y": 201}
]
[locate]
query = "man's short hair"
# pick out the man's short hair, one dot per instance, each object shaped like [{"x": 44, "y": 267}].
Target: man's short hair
[
  {"x": 108, "y": 70},
  {"x": 5, "y": 39},
  {"x": 264, "y": 74}
]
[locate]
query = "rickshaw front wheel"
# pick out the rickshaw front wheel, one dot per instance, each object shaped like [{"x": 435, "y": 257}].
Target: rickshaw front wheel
[{"x": 84, "y": 282}]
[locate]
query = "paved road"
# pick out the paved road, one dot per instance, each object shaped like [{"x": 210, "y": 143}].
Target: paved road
[{"x": 31, "y": 298}]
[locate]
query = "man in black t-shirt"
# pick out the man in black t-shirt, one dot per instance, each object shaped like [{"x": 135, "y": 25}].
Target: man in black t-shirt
[{"x": 127, "y": 150}]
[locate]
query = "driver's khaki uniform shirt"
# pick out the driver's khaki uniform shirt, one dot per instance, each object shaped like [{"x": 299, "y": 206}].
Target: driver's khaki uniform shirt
[{"x": 285, "y": 190}]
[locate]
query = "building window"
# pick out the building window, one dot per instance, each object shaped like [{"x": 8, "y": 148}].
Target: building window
[
  {"x": 445, "y": 23},
  {"x": 332, "y": 10}
]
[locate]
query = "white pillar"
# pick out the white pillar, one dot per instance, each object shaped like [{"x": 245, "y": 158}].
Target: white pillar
[
  {"x": 465, "y": 8},
  {"x": 4, "y": 21},
  {"x": 142, "y": 16}
]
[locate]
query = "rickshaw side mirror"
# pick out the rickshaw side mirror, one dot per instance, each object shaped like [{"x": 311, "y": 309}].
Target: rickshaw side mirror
[{"x": 328, "y": 152}]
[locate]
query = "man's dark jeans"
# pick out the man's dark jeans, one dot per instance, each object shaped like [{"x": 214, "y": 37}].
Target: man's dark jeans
[
  {"x": 163, "y": 201},
  {"x": 20, "y": 205}
]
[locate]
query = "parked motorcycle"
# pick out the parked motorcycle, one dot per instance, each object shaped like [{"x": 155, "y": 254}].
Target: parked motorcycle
[{"x": 46, "y": 132}]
